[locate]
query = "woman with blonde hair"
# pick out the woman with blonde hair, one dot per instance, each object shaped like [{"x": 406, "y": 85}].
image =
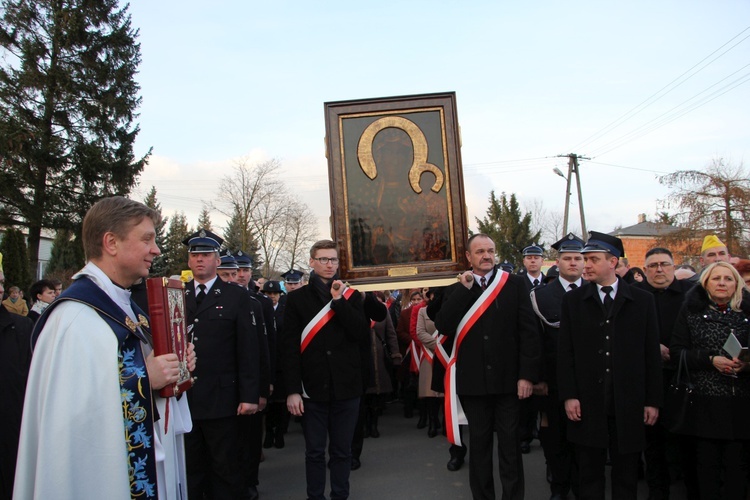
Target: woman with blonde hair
[{"x": 720, "y": 402}]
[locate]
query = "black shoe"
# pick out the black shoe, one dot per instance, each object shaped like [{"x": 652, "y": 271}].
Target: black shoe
[
  {"x": 455, "y": 463},
  {"x": 279, "y": 441},
  {"x": 525, "y": 447},
  {"x": 422, "y": 421},
  {"x": 268, "y": 442},
  {"x": 558, "y": 496},
  {"x": 375, "y": 432},
  {"x": 356, "y": 464},
  {"x": 251, "y": 493}
]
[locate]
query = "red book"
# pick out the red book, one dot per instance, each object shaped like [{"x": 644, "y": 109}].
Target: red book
[{"x": 166, "y": 307}]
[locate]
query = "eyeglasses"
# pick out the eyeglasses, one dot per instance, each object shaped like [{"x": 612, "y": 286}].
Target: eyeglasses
[
  {"x": 657, "y": 265},
  {"x": 326, "y": 260}
]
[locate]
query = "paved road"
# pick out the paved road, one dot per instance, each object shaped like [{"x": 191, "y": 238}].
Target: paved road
[{"x": 402, "y": 463}]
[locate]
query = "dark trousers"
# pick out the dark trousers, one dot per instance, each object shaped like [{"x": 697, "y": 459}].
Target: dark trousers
[
  {"x": 212, "y": 452},
  {"x": 251, "y": 438},
  {"x": 330, "y": 422},
  {"x": 487, "y": 415},
  {"x": 558, "y": 451},
  {"x": 722, "y": 469},
  {"x": 591, "y": 463},
  {"x": 657, "y": 465}
]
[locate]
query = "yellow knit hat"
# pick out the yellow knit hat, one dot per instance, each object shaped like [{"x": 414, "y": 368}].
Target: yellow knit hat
[{"x": 711, "y": 241}]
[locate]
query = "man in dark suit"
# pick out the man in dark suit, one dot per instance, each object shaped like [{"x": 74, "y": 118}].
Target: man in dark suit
[
  {"x": 323, "y": 369},
  {"x": 547, "y": 304},
  {"x": 669, "y": 294},
  {"x": 608, "y": 371},
  {"x": 533, "y": 259},
  {"x": 220, "y": 321},
  {"x": 496, "y": 364}
]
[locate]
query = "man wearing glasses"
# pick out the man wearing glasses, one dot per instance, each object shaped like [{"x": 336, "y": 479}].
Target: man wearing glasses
[
  {"x": 324, "y": 330},
  {"x": 668, "y": 294}
]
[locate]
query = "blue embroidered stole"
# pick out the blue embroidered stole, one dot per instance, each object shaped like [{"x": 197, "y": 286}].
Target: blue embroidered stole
[{"x": 135, "y": 390}]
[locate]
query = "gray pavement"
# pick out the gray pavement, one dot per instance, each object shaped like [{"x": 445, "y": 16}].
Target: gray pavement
[{"x": 402, "y": 463}]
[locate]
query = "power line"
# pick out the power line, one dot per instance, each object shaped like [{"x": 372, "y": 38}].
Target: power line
[
  {"x": 653, "y": 98},
  {"x": 673, "y": 114},
  {"x": 628, "y": 168}
]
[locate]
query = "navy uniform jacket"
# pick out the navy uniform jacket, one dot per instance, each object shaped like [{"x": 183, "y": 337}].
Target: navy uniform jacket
[
  {"x": 548, "y": 300},
  {"x": 226, "y": 344},
  {"x": 502, "y": 346},
  {"x": 330, "y": 368},
  {"x": 620, "y": 350}
]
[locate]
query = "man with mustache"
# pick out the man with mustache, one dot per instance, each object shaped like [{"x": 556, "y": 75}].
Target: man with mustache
[{"x": 496, "y": 363}]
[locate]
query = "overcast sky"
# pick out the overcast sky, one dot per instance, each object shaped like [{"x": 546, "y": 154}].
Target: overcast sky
[{"x": 224, "y": 80}]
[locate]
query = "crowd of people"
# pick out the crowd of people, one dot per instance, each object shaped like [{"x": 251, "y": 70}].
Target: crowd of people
[{"x": 584, "y": 357}]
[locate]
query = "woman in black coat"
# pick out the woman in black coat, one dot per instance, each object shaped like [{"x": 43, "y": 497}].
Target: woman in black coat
[{"x": 718, "y": 415}]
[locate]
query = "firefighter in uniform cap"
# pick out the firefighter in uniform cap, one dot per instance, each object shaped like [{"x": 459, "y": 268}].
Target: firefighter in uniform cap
[
  {"x": 532, "y": 270},
  {"x": 608, "y": 371},
  {"x": 277, "y": 416},
  {"x": 220, "y": 321},
  {"x": 253, "y": 430},
  {"x": 227, "y": 269},
  {"x": 547, "y": 304},
  {"x": 292, "y": 279},
  {"x": 532, "y": 266}
]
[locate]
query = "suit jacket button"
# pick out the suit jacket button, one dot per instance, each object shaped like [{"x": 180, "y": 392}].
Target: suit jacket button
[
  {"x": 489, "y": 367},
  {"x": 486, "y": 337},
  {"x": 600, "y": 381},
  {"x": 601, "y": 351},
  {"x": 328, "y": 352},
  {"x": 196, "y": 320}
]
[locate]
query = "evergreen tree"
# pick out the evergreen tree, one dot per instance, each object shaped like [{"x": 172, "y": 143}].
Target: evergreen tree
[
  {"x": 68, "y": 100},
  {"x": 67, "y": 256},
  {"x": 158, "y": 267},
  {"x": 239, "y": 236},
  {"x": 174, "y": 252},
  {"x": 15, "y": 260},
  {"x": 508, "y": 228},
  {"x": 204, "y": 220}
]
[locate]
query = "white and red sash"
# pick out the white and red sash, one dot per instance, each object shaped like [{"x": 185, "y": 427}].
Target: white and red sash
[
  {"x": 454, "y": 413},
  {"x": 416, "y": 356},
  {"x": 428, "y": 354},
  {"x": 319, "y": 321}
]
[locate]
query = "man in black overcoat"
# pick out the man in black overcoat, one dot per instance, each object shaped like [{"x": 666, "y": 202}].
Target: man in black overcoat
[
  {"x": 608, "y": 371},
  {"x": 669, "y": 294},
  {"x": 323, "y": 369},
  {"x": 227, "y": 385},
  {"x": 496, "y": 366},
  {"x": 547, "y": 304}
]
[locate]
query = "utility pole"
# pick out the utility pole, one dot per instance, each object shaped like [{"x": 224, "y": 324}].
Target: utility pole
[{"x": 573, "y": 169}]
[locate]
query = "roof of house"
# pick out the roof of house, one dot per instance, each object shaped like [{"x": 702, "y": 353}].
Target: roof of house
[{"x": 645, "y": 229}]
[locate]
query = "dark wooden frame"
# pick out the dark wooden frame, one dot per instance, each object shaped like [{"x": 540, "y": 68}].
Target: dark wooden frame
[{"x": 435, "y": 149}]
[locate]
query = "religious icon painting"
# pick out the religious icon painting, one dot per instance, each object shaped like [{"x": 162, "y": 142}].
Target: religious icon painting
[{"x": 396, "y": 189}]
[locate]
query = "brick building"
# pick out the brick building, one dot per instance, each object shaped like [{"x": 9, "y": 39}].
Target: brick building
[{"x": 640, "y": 238}]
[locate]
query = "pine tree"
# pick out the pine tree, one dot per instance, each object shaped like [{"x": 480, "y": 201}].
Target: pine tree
[
  {"x": 67, "y": 256},
  {"x": 508, "y": 228},
  {"x": 238, "y": 236},
  {"x": 204, "y": 220},
  {"x": 68, "y": 100},
  {"x": 158, "y": 267},
  {"x": 15, "y": 260},
  {"x": 175, "y": 252}
]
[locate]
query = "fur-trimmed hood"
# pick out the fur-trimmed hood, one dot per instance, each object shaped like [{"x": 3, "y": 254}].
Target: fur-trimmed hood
[{"x": 696, "y": 300}]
